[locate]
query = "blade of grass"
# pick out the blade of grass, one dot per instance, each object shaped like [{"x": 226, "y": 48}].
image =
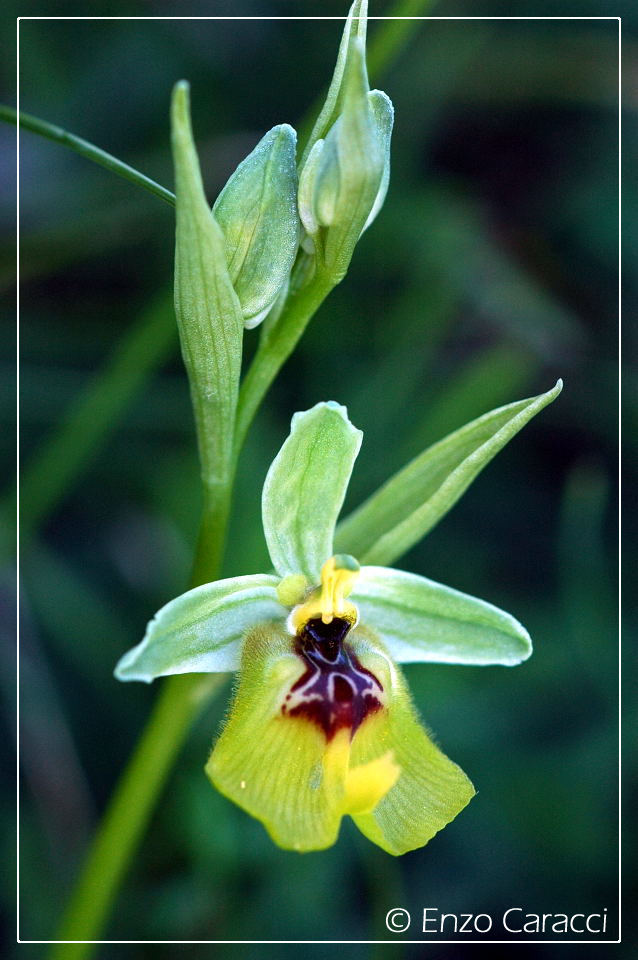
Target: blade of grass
[
  {"x": 180, "y": 701},
  {"x": 25, "y": 121},
  {"x": 390, "y": 39},
  {"x": 66, "y": 453}
]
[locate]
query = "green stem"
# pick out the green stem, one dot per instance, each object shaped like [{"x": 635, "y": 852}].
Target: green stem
[
  {"x": 211, "y": 541},
  {"x": 275, "y": 346},
  {"x": 49, "y": 130},
  {"x": 176, "y": 708},
  {"x": 129, "y": 811},
  {"x": 132, "y": 803}
]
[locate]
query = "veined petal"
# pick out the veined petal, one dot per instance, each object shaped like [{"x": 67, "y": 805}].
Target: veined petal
[
  {"x": 201, "y": 631},
  {"x": 305, "y": 488},
  {"x": 273, "y": 765},
  {"x": 429, "y": 791},
  {"x": 420, "y": 620}
]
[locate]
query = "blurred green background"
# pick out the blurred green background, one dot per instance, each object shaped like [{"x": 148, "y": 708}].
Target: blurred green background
[{"x": 491, "y": 271}]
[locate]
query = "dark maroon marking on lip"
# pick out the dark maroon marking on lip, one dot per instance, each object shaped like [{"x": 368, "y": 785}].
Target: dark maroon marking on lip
[{"x": 335, "y": 691}]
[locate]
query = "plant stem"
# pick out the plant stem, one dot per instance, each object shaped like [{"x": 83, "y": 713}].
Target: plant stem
[
  {"x": 85, "y": 149},
  {"x": 183, "y": 696},
  {"x": 275, "y": 346},
  {"x": 129, "y": 811},
  {"x": 179, "y": 701},
  {"x": 211, "y": 541}
]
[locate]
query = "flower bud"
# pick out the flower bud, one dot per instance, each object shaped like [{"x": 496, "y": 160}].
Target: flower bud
[
  {"x": 346, "y": 167},
  {"x": 257, "y": 212}
]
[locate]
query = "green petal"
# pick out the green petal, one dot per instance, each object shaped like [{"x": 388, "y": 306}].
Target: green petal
[
  {"x": 419, "y": 620},
  {"x": 305, "y": 488},
  {"x": 201, "y": 631},
  {"x": 405, "y": 508},
  {"x": 257, "y": 211},
  {"x": 270, "y": 764},
  {"x": 430, "y": 790}
]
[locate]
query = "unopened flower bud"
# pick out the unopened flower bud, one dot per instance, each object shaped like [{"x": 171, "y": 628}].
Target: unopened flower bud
[
  {"x": 257, "y": 212},
  {"x": 346, "y": 168}
]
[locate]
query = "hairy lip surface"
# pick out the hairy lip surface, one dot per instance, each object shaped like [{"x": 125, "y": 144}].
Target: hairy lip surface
[{"x": 335, "y": 691}]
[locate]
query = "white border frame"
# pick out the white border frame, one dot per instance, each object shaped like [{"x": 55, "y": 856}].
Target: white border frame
[{"x": 398, "y": 939}]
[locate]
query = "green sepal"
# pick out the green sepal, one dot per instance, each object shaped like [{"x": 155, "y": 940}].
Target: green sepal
[
  {"x": 305, "y": 488},
  {"x": 209, "y": 315},
  {"x": 419, "y": 620},
  {"x": 201, "y": 631},
  {"x": 257, "y": 212},
  {"x": 270, "y": 764},
  {"x": 306, "y": 197},
  {"x": 382, "y": 111},
  {"x": 349, "y": 171},
  {"x": 430, "y": 791},
  {"x": 411, "y": 502},
  {"x": 355, "y": 29}
]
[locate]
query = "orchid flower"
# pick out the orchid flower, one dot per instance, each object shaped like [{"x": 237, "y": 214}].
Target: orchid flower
[{"x": 322, "y": 724}]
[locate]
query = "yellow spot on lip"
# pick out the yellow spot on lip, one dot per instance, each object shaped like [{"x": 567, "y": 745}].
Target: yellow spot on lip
[
  {"x": 364, "y": 785},
  {"x": 369, "y": 783},
  {"x": 328, "y": 601}
]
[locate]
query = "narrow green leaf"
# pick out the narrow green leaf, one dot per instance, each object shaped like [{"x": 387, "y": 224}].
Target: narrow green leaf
[
  {"x": 423, "y": 621},
  {"x": 405, "y": 508},
  {"x": 305, "y": 487},
  {"x": 88, "y": 150},
  {"x": 209, "y": 314},
  {"x": 257, "y": 212},
  {"x": 355, "y": 28},
  {"x": 202, "y": 630},
  {"x": 392, "y": 35},
  {"x": 55, "y": 467}
]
